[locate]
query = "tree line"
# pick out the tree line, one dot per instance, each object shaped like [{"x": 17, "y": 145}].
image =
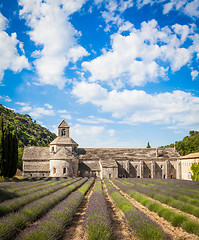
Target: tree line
[{"x": 8, "y": 151}]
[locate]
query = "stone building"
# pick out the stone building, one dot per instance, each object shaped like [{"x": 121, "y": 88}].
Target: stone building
[
  {"x": 63, "y": 158},
  {"x": 185, "y": 165}
]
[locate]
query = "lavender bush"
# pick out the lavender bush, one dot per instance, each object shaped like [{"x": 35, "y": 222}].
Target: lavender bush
[
  {"x": 143, "y": 226},
  {"x": 52, "y": 226},
  {"x": 13, "y": 204},
  {"x": 96, "y": 220},
  {"x": 167, "y": 198},
  {"x": 12, "y": 223},
  {"x": 176, "y": 219}
]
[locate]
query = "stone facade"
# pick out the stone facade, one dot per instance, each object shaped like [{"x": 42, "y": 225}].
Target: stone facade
[
  {"x": 63, "y": 158},
  {"x": 184, "y": 165}
]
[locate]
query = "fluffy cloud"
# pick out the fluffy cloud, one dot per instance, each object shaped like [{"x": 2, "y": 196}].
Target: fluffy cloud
[
  {"x": 177, "y": 108},
  {"x": 144, "y": 55},
  {"x": 54, "y": 34},
  {"x": 9, "y": 55},
  {"x": 89, "y": 136},
  {"x": 36, "y": 112},
  {"x": 5, "y": 98}
]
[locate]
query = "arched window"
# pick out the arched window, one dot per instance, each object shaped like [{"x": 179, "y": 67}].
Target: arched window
[
  {"x": 63, "y": 132},
  {"x": 64, "y": 170},
  {"x": 53, "y": 149},
  {"x": 54, "y": 170}
]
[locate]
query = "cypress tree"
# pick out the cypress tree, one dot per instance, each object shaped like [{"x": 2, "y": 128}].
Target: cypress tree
[
  {"x": 8, "y": 151},
  {"x": 14, "y": 154},
  {"x": 1, "y": 146}
]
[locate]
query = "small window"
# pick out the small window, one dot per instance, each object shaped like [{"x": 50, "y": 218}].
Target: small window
[
  {"x": 54, "y": 170},
  {"x": 109, "y": 175},
  {"x": 63, "y": 132},
  {"x": 161, "y": 166},
  {"x": 53, "y": 149},
  {"x": 136, "y": 166},
  {"x": 64, "y": 170}
]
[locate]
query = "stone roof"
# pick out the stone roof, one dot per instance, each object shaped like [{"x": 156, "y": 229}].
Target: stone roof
[
  {"x": 62, "y": 154},
  {"x": 63, "y": 124},
  {"x": 36, "y": 153},
  {"x": 108, "y": 164},
  {"x": 121, "y": 154},
  {"x": 63, "y": 140},
  {"x": 191, "y": 155},
  {"x": 89, "y": 165}
]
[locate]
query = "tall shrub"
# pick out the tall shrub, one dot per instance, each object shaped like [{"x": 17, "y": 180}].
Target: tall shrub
[{"x": 8, "y": 151}]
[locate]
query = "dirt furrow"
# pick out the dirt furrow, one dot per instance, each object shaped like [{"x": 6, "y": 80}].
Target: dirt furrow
[
  {"x": 121, "y": 229},
  {"x": 175, "y": 233},
  {"x": 76, "y": 231}
]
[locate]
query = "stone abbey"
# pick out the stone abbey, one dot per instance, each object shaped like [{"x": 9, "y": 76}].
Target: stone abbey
[{"x": 63, "y": 158}]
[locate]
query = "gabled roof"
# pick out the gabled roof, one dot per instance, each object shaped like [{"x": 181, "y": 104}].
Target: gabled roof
[
  {"x": 89, "y": 166},
  {"x": 62, "y": 154},
  {"x": 63, "y": 124},
  {"x": 36, "y": 153},
  {"x": 122, "y": 154},
  {"x": 110, "y": 163},
  {"x": 63, "y": 140},
  {"x": 191, "y": 155}
]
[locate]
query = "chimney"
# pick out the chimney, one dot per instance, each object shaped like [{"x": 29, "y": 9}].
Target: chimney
[{"x": 156, "y": 152}]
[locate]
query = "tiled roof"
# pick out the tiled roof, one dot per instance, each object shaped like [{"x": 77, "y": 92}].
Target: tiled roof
[
  {"x": 63, "y": 124},
  {"x": 89, "y": 165},
  {"x": 36, "y": 153},
  {"x": 119, "y": 154},
  {"x": 63, "y": 141},
  {"x": 191, "y": 155},
  {"x": 62, "y": 154}
]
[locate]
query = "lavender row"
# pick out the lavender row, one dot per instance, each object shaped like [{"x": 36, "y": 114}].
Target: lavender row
[
  {"x": 180, "y": 186},
  {"x": 52, "y": 226},
  {"x": 13, "y": 193},
  {"x": 139, "y": 223},
  {"x": 165, "y": 198},
  {"x": 20, "y": 185},
  {"x": 12, "y": 223},
  {"x": 176, "y": 219},
  {"x": 175, "y": 193},
  {"x": 14, "y": 204},
  {"x": 97, "y": 220}
]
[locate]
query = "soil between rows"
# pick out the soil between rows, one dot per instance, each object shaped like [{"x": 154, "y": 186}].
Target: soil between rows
[
  {"x": 175, "y": 233},
  {"x": 120, "y": 228}
]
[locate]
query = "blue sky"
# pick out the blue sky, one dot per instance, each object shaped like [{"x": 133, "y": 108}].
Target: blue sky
[{"x": 121, "y": 73}]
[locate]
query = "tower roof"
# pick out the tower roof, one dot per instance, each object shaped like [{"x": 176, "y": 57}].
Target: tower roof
[
  {"x": 62, "y": 154},
  {"x": 63, "y": 124},
  {"x": 64, "y": 141}
]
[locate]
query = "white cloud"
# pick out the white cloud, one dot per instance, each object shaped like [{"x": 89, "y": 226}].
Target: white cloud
[
  {"x": 35, "y": 112},
  {"x": 5, "y": 98},
  {"x": 66, "y": 116},
  {"x": 94, "y": 120},
  {"x": 111, "y": 132},
  {"x": 9, "y": 56},
  {"x": 77, "y": 52},
  {"x": 48, "y": 105},
  {"x": 51, "y": 30},
  {"x": 192, "y": 9},
  {"x": 143, "y": 56},
  {"x": 133, "y": 107},
  {"x": 194, "y": 74}
]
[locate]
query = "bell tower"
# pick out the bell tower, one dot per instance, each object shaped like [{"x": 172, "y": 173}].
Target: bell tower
[{"x": 63, "y": 129}]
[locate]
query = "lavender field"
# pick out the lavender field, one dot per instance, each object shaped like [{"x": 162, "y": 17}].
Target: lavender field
[{"x": 83, "y": 208}]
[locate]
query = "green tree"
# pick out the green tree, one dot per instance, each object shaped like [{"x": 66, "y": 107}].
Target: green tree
[
  {"x": 195, "y": 171},
  {"x": 148, "y": 145},
  {"x": 8, "y": 151},
  {"x": 1, "y": 146}
]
